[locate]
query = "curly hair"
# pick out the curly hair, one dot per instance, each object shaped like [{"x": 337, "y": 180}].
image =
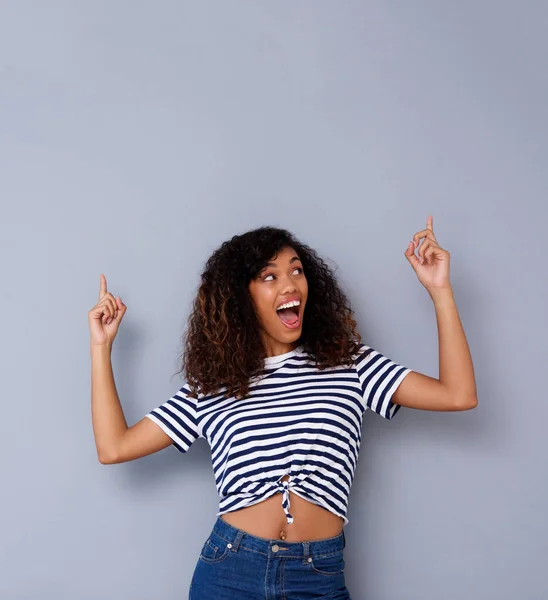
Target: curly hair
[{"x": 223, "y": 347}]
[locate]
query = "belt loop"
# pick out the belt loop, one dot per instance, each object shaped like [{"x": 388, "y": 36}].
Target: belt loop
[
  {"x": 237, "y": 540},
  {"x": 306, "y": 551},
  {"x": 344, "y": 539}
]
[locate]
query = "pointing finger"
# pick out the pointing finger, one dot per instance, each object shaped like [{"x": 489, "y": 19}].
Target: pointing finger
[{"x": 102, "y": 286}]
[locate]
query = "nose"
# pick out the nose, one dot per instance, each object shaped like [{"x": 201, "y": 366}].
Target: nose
[{"x": 288, "y": 291}]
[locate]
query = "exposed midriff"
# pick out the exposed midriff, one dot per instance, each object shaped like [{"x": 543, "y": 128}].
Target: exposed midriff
[{"x": 267, "y": 519}]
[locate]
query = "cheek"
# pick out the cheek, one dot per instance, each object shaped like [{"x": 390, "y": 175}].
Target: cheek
[{"x": 264, "y": 307}]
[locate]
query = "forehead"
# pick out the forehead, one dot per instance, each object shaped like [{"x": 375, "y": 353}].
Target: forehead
[{"x": 284, "y": 255}]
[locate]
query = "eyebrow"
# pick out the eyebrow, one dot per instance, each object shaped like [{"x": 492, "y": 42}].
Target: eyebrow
[{"x": 273, "y": 264}]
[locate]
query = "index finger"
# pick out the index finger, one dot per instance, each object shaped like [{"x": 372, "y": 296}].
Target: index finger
[{"x": 102, "y": 286}]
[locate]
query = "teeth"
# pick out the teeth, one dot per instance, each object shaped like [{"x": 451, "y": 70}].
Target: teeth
[{"x": 289, "y": 305}]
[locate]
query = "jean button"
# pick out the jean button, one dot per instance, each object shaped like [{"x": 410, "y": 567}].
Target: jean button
[{"x": 275, "y": 548}]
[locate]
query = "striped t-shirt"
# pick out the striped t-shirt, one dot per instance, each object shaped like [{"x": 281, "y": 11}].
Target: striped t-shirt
[{"x": 296, "y": 420}]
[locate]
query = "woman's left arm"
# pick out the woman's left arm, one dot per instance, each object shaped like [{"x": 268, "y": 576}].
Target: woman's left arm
[{"x": 456, "y": 387}]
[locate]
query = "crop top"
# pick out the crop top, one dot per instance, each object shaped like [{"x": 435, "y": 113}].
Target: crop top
[{"x": 296, "y": 420}]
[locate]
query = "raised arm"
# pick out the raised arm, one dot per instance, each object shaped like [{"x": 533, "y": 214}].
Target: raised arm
[
  {"x": 455, "y": 389},
  {"x": 114, "y": 440}
]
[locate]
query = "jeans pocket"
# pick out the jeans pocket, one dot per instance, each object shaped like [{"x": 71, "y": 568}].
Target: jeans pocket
[
  {"x": 215, "y": 549},
  {"x": 331, "y": 564}
]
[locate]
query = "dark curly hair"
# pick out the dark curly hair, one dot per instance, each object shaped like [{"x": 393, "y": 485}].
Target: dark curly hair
[{"x": 223, "y": 347}]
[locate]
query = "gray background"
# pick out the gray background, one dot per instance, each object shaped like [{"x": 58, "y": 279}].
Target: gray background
[{"x": 136, "y": 137}]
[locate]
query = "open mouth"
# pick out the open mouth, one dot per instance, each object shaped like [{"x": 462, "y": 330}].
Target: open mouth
[{"x": 290, "y": 317}]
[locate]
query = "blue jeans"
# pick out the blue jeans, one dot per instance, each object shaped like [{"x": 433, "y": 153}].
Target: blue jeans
[{"x": 235, "y": 565}]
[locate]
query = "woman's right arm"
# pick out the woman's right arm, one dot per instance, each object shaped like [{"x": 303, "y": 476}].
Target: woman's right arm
[{"x": 114, "y": 440}]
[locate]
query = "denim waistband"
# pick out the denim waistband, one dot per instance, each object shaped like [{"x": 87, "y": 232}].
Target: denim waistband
[{"x": 314, "y": 548}]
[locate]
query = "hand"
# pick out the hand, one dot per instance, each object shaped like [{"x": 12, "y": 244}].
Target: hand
[
  {"x": 432, "y": 264},
  {"x": 105, "y": 317}
]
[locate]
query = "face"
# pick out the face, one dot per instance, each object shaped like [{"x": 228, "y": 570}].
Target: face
[{"x": 281, "y": 281}]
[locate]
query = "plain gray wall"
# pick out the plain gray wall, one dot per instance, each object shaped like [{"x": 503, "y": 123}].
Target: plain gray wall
[{"x": 136, "y": 137}]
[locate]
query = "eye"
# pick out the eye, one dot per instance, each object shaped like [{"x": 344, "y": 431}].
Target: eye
[{"x": 272, "y": 274}]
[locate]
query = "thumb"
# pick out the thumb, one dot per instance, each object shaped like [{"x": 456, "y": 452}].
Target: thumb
[{"x": 411, "y": 257}]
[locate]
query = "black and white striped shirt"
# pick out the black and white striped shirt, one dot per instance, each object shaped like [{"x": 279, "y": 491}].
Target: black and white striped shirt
[{"x": 296, "y": 420}]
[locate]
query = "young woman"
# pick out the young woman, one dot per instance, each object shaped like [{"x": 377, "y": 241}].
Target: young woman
[{"x": 277, "y": 381}]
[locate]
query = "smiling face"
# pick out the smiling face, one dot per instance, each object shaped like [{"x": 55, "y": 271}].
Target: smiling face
[{"x": 280, "y": 282}]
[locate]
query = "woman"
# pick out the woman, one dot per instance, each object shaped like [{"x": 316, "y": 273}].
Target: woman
[{"x": 277, "y": 382}]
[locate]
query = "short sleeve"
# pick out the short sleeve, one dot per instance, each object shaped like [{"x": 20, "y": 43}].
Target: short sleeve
[
  {"x": 178, "y": 418},
  {"x": 379, "y": 379}
]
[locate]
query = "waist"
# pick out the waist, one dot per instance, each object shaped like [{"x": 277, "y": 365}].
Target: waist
[
  {"x": 276, "y": 547},
  {"x": 267, "y": 519}
]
